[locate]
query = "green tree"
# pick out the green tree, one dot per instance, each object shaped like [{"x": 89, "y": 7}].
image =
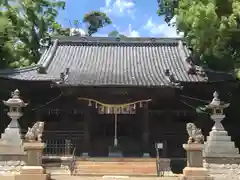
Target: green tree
[
  {"x": 30, "y": 20},
  {"x": 167, "y": 8},
  {"x": 116, "y": 34},
  {"x": 113, "y": 34},
  {"x": 96, "y": 20},
  {"x": 6, "y": 53},
  {"x": 5, "y": 40},
  {"x": 211, "y": 28}
]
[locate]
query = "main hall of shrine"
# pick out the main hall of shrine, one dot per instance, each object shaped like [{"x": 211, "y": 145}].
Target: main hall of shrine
[{"x": 100, "y": 93}]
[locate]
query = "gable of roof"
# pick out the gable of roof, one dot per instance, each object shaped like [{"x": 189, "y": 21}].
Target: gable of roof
[{"x": 96, "y": 61}]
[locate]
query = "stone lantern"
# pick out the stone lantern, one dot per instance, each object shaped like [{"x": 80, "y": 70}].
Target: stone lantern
[
  {"x": 12, "y": 132},
  {"x": 219, "y": 149},
  {"x": 217, "y": 115}
]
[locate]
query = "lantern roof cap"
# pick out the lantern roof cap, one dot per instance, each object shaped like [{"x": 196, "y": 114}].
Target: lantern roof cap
[
  {"x": 216, "y": 102},
  {"x": 15, "y": 101}
]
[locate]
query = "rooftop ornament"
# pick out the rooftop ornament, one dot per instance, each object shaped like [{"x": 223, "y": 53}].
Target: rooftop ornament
[
  {"x": 15, "y": 105},
  {"x": 217, "y": 106},
  {"x": 44, "y": 44},
  {"x": 171, "y": 78}
]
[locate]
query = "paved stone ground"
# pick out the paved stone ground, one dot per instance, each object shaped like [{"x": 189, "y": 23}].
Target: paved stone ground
[
  {"x": 224, "y": 171},
  {"x": 67, "y": 177}
]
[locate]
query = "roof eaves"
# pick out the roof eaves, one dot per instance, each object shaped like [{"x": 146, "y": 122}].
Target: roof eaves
[
  {"x": 18, "y": 70},
  {"x": 219, "y": 72},
  {"x": 27, "y": 80},
  {"x": 46, "y": 59}
]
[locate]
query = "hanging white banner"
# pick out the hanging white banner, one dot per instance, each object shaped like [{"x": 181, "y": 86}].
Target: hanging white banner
[{"x": 117, "y": 110}]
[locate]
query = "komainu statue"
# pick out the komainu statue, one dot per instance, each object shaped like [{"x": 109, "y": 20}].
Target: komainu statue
[
  {"x": 195, "y": 134},
  {"x": 35, "y": 133}
]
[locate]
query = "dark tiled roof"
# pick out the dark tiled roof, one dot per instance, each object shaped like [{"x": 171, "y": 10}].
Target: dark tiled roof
[{"x": 108, "y": 61}]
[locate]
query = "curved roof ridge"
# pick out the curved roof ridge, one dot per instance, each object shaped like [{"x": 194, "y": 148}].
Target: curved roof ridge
[
  {"x": 113, "y": 40},
  {"x": 46, "y": 58}
]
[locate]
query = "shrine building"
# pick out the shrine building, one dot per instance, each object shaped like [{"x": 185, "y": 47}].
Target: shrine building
[{"x": 98, "y": 94}]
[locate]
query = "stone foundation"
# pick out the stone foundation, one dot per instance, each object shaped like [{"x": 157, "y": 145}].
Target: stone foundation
[
  {"x": 222, "y": 160},
  {"x": 195, "y": 173},
  {"x": 32, "y": 173},
  {"x": 219, "y": 149},
  {"x": 8, "y": 177},
  {"x": 12, "y": 157}
]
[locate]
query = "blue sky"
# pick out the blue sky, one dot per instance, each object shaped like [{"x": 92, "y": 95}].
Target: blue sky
[{"x": 132, "y": 18}]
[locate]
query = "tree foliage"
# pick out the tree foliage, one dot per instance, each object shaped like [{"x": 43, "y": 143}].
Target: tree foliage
[
  {"x": 28, "y": 21},
  {"x": 96, "y": 20},
  {"x": 167, "y": 8},
  {"x": 5, "y": 42},
  {"x": 211, "y": 29}
]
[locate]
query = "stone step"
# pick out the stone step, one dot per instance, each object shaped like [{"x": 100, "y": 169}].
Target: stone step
[
  {"x": 116, "y": 163},
  {"x": 116, "y": 168},
  {"x": 119, "y": 159},
  {"x": 219, "y": 138}
]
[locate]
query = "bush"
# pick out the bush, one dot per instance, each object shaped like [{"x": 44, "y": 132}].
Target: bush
[
  {"x": 131, "y": 148},
  {"x": 177, "y": 165}
]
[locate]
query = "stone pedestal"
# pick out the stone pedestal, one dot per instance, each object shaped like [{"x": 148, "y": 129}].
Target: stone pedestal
[
  {"x": 194, "y": 169},
  {"x": 11, "y": 147},
  {"x": 32, "y": 173},
  {"x": 33, "y": 169},
  {"x": 34, "y": 153},
  {"x": 12, "y": 133},
  {"x": 219, "y": 149}
]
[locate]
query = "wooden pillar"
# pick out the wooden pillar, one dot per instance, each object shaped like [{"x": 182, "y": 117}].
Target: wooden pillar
[
  {"x": 87, "y": 130},
  {"x": 145, "y": 127}
]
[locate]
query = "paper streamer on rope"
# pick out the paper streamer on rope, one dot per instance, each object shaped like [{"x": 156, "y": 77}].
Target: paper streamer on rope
[
  {"x": 125, "y": 108},
  {"x": 114, "y": 105}
]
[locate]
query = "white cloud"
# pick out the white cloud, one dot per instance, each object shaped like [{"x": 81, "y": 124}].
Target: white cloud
[
  {"x": 162, "y": 29},
  {"x": 131, "y": 33},
  {"x": 119, "y": 7},
  {"x": 134, "y": 34}
]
